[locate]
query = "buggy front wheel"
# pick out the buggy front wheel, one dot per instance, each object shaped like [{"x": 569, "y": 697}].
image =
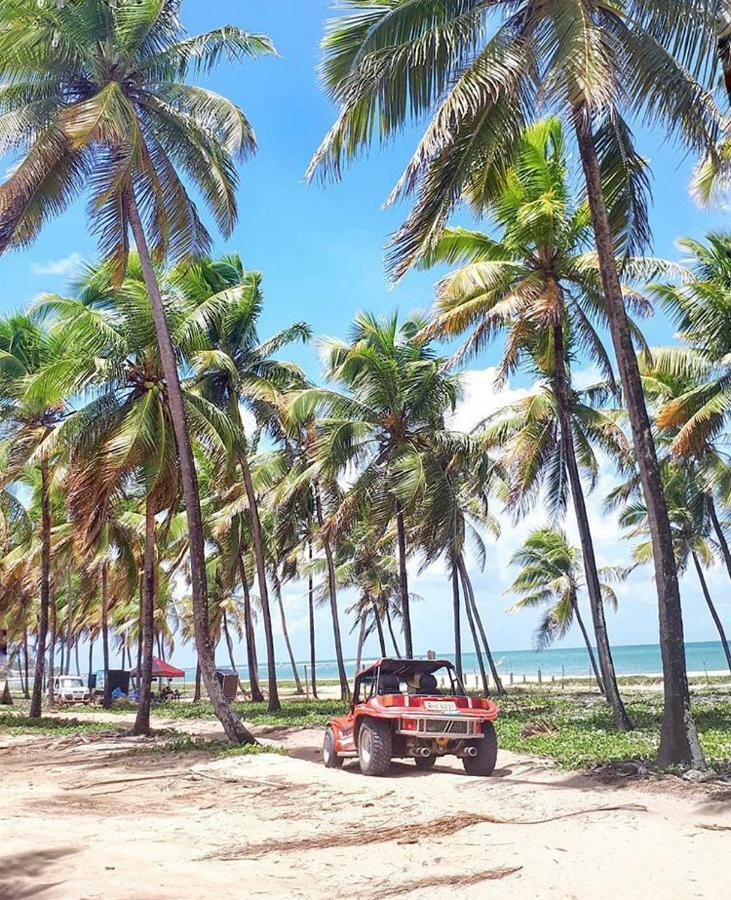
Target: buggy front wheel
[{"x": 329, "y": 750}]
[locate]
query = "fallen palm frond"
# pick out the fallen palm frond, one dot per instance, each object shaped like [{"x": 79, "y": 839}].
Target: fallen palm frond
[
  {"x": 534, "y": 728},
  {"x": 403, "y": 834},
  {"x": 451, "y": 881},
  {"x": 713, "y": 827}
]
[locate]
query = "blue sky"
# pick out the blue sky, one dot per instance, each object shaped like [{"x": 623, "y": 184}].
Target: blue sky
[{"x": 321, "y": 252}]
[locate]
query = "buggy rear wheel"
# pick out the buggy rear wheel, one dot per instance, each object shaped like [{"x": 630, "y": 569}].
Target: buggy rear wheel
[
  {"x": 329, "y": 751},
  {"x": 484, "y": 763},
  {"x": 375, "y": 747}
]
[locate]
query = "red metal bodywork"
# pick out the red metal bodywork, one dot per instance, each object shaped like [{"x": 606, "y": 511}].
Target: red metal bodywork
[{"x": 410, "y": 711}]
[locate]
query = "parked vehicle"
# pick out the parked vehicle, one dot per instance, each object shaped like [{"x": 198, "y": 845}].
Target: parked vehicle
[
  {"x": 70, "y": 689},
  {"x": 399, "y": 711}
]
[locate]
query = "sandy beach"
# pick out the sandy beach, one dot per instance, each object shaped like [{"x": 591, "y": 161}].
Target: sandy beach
[{"x": 83, "y": 819}]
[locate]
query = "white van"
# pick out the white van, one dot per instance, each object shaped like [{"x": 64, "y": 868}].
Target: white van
[{"x": 70, "y": 689}]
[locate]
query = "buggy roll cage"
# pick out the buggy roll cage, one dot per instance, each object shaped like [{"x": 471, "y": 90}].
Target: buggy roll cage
[{"x": 403, "y": 668}]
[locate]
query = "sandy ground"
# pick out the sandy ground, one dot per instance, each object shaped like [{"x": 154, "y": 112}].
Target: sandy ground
[{"x": 86, "y": 820}]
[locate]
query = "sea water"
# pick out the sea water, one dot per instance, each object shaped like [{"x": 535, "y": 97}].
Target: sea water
[{"x": 636, "y": 659}]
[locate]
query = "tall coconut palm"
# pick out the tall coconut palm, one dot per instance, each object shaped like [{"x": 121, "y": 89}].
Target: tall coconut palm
[
  {"x": 305, "y": 494},
  {"x": 397, "y": 393},
  {"x": 125, "y": 434},
  {"x": 234, "y": 369},
  {"x": 685, "y": 382},
  {"x": 480, "y": 70},
  {"x": 96, "y": 97},
  {"x": 538, "y": 282},
  {"x": 29, "y": 415},
  {"x": 701, "y": 306},
  {"x": 688, "y": 507},
  {"x": 230, "y": 525},
  {"x": 452, "y": 493},
  {"x": 550, "y": 576}
]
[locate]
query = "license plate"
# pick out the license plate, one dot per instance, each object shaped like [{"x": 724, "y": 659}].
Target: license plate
[{"x": 441, "y": 705}]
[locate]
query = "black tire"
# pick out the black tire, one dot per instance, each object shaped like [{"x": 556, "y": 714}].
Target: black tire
[
  {"x": 329, "y": 756},
  {"x": 484, "y": 763},
  {"x": 375, "y": 747},
  {"x": 425, "y": 762}
]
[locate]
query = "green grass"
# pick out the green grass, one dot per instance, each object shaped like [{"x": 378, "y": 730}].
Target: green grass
[
  {"x": 168, "y": 740},
  {"x": 186, "y": 743},
  {"x": 580, "y": 730},
  {"x": 293, "y": 712},
  {"x": 18, "y": 724},
  {"x": 582, "y": 733}
]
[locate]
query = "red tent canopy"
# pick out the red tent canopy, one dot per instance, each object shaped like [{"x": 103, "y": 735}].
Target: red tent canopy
[{"x": 161, "y": 669}]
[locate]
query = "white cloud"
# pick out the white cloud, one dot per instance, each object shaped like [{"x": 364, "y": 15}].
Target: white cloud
[
  {"x": 68, "y": 265},
  {"x": 482, "y": 397}
]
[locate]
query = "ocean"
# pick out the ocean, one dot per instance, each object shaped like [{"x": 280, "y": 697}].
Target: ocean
[{"x": 635, "y": 659}]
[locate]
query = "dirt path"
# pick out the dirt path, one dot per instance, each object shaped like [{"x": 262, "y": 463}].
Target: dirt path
[{"x": 80, "y": 821}]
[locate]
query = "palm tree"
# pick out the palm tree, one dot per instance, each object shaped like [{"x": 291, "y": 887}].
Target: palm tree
[
  {"x": 29, "y": 416},
  {"x": 96, "y": 97},
  {"x": 691, "y": 524},
  {"x": 396, "y": 396},
  {"x": 550, "y": 576},
  {"x": 701, "y": 307},
  {"x": 125, "y": 435},
  {"x": 685, "y": 383},
  {"x": 450, "y": 491},
  {"x": 539, "y": 282},
  {"x": 235, "y": 369},
  {"x": 306, "y": 492},
  {"x": 481, "y": 70}
]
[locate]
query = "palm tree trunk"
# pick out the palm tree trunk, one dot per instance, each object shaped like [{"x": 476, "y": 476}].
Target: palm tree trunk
[
  {"x": 141, "y": 604},
  {"x": 379, "y": 628},
  {"x": 470, "y": 598},
  {"x": 76, "y": 655},
  {"x": 457, "y": 624},
  {"x": 404, "y": 580},
  {"x": 712, "y": 607},
  {"x": 333, "y": 592},
  {"x": 230, "y": 646},
  {"x": 26, "y": 663},
  {"x": 197, "y": 693},
  {"x": 391, "y": 632},
  {"x": 53, "y": 620},
  {"x": 679, "y": 738},
  {"x": 475, "y": 640},
  {"x": 361, "y": 641},
  {"x": 587, "y": 641},
  {"x": 232, "y": 725},
  {"x": 256, "y": 694},
  {"x": 69, "y": 621},
  {"x": 722, "y": 542},
  {"x": 260, "y": 562},
  {"x": 91, "y": 654},
  {"x": 285, "y": 631},
  {"x": 311, "y": 611},
  {"x": 608, "y": 684},
  {"x": 23, "y": 681},
  {"x": 37, "y": 697},
  {"x": 107, "y": 702},
  {"x": 147, "y": 623}
]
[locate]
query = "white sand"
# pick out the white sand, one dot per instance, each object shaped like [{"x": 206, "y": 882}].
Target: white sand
[{"x": 67, "y": 835}]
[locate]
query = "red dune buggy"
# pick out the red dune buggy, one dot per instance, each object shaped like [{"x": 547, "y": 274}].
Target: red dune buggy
[{"x": 399, "y": 711}]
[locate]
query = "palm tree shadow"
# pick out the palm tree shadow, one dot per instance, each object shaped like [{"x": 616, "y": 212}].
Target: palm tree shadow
[{"x": 19, "y": 872}]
